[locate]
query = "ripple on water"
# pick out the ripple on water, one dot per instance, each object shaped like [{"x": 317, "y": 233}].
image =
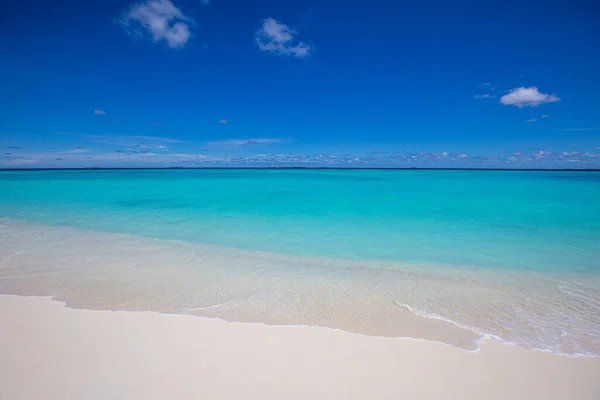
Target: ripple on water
[{"x": 454, "y": 305}]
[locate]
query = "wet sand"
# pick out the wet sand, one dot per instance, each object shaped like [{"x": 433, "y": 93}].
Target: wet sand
[{"x": 53, "y": 352}]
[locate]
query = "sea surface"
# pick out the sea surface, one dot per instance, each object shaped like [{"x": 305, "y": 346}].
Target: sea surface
[{"x": 450, "y": 256}]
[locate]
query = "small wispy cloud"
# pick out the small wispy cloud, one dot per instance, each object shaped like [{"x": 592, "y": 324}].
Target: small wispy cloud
[
  {"x": 126, "y": 140},
  {"x": 487, "y": 87},
  {"x": 527, "y": 97},
  {"x": 99, "y": 112},
  {"x": 15, "y": 162},
  {"x": 146, "y": 148},
  {"x": 530, "y": 120},
  {"x": 159, "y": 19},
  {"x": 544, "y": 116},
  {"x": 276, "y": 37},
  {"x": 578, "y": 129},
  {"x": 542, "y": 154},
  {"x": 122, "y": 140},
  {"x": 223, "y": 121},
  {"x": 570, "y": 153},
  {"x": 79, "y": 150},
  {"x": 244, "y": 142},
  {"x": 156, "y": 139}
]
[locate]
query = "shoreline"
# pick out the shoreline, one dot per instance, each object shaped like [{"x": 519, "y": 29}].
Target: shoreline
[
  {"x": 478, "y": 342},
  {"x": 115, "y": 354},
  {"x": 107, "y": 271}
]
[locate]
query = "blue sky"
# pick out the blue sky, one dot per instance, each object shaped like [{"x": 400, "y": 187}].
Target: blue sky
[{"x": 315, "y": 83}]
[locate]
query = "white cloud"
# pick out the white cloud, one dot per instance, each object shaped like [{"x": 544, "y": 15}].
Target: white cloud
[
  {"x": 544, "y": 116},
  {"x": 524, "y": 97},
  {"x": 224, "y": 121},
  {"x": 484, "y": 96},
  {"x": 109, "y": 159},
  {"x": 162, "y": 20},
  {"x": 530, "y": 120},
  {"x": 99, "y": 112},
  {"x": 277, "y": 37},
  {"x": 542, "y": 154}
]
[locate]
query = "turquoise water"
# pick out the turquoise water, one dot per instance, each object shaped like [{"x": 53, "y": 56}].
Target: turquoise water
[
  {"x": 451, "y": 256},
  {"x": 546, "y": 221}
]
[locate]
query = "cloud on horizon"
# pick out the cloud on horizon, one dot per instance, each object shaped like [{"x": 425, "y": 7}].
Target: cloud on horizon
[
  {"x": 16, "y": 161},
  {"x": 276, "y": 37},
  {"x": 527, "y": 97},
  {"x": 402, "y": 159},
  {"x": 159, "y": 19}
]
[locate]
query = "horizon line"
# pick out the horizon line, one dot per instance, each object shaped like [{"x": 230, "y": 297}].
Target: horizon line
[{"x": 303, "y": 168}]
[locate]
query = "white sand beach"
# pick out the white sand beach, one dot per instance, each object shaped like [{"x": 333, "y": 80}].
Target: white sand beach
[{"x": 48, "y": 351}]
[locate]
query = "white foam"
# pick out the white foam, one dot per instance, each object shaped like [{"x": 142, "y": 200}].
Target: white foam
[{"x": 124, "y": 272}]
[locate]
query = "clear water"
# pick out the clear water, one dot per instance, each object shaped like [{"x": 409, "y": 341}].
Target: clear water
[{"x": 454, "y": 245}]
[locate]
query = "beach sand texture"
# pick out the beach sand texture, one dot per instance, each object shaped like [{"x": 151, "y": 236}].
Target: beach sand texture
[{"x": 48, "y": 351}]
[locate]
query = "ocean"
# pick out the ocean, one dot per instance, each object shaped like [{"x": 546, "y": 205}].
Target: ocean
[{"x": 447, "y": 255}]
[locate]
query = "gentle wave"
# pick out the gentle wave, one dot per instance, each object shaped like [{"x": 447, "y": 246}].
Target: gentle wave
[{"x": 459, "y": 306}]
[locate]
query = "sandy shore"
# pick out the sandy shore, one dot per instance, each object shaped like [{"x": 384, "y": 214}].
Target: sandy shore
[{"x": 48, "y": 351}]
